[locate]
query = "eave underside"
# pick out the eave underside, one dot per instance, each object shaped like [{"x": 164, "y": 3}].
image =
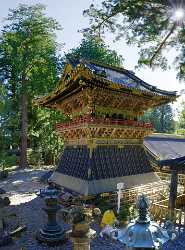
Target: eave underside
[{"x": 102, "y": 101}]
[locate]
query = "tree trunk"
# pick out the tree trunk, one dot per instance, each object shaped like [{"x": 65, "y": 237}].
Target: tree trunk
[
  {"x": 162, "y": 119},
  {"x": 24, "y": 128}
]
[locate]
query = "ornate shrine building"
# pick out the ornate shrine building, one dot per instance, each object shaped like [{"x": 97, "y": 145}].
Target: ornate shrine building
[{"x": 104, "y": 135}]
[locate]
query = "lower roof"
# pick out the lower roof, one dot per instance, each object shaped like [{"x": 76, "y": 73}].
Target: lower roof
[
  {"x": 165, "y": 146},
  {"x": 100, "y": 172}
]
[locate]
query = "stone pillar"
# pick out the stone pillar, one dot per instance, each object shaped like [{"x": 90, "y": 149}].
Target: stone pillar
[{"x": 83, "y": 242}]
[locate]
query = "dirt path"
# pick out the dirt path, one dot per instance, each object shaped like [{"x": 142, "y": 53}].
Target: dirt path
[{"x": 21, "y": 187}]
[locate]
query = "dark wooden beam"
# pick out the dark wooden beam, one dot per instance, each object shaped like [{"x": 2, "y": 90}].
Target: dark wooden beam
[{"x": 173, "y": 191}]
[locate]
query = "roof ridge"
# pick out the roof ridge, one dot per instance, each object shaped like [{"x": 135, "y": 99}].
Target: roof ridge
[{"x": 117, "y": 68}]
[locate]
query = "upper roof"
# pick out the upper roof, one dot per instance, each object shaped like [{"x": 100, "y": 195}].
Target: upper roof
[
  {"x": 124, "y": 77},
  {"x": 78, "y": 73}
]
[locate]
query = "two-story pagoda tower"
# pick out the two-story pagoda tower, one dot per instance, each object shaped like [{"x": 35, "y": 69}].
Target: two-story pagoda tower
[{"x": 104, "y": 138}]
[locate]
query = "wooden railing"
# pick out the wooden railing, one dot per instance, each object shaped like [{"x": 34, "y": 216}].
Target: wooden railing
[
  {"x": 167, "y": 177},
  {"x": 152, "y": 190},
  {"x": 102, "y": 121},
  {"x": 158, "y": 208},
  {"x": 160, "y": 211}
]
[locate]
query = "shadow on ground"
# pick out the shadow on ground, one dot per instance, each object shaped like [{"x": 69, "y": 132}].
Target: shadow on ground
[{"x": 21, "y": 187}]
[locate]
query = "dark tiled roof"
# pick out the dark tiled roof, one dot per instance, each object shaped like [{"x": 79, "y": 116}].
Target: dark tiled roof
[
  {"x": 115, "y": 78},
  {"x": 165, "y": 146},
  {"x": 177, "y": 244},
  {"x": 124, "y": 77},
  {"x": 75, "y": 162},
  {"x": 106, "y": 162},
  {"x": 177, "y": 162}
]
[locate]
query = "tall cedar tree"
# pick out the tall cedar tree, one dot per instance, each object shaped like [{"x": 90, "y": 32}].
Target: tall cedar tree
[
  {"x": 162, "y": 118},
  {"x": 28, "y": 63},
  {"x": 181, "y": 124}
]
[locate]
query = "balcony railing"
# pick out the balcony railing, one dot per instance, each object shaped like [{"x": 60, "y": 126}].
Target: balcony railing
[{"x": 103, "y": 121}]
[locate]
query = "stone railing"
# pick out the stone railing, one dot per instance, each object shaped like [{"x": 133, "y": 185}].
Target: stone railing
[
  {"x": 160, "y": 210},
  {"x": 103, "y": 121}
]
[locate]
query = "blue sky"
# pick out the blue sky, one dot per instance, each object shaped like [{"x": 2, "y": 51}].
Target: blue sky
[{"x": 69, "y": 14}]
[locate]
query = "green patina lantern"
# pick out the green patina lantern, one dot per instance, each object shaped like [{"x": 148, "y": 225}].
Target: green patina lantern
[{"x": 143, "y": 233}]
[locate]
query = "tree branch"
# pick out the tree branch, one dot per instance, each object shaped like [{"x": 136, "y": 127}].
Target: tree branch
[{"x": 162, "y": 44}]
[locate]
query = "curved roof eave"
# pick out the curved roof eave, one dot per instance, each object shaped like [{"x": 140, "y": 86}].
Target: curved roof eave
[{"x": 153, "y": 91}]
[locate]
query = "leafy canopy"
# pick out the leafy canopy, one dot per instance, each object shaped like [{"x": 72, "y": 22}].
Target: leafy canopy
[
  {"x": 28, "y": 49},
  {"x": 28, "y": 64},
  {"x": 94, "y": 49},
  {"x": 144, "y": 23}
]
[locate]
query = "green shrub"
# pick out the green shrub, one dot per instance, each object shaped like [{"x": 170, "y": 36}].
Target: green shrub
[
  {"x": 124, "y": 213},
  {"x": 103, "y": 205},
  {"x": 7, "y": 161},
  {"x": 34, "y": 157}
]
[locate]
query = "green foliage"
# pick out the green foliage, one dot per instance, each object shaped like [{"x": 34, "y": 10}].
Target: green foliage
[
  {"x": 42, "y": 134},
  {"x": 124, "y": 213},
  {"x": 181, "y": 124},
  {"x": 34, "y": 157},
  {"x": 94, "y": 49},
  {"x": 9, "y": 125},
  {"x": 2, "y": 96},
  {"x": 27, "y": 49},
  {"x": 180, "y": 131},
  {"x": 161, "y": 118},
  {"x": 144, "y": 23},
  {"x": 7, "y": 161},
  {"x": 103, "y": 204},
  {"x": 133, "y": 212},
  {"x": 29, "y": 67}
]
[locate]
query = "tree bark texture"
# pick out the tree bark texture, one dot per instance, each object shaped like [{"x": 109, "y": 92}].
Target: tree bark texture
[{"x": 24, "y": 129}]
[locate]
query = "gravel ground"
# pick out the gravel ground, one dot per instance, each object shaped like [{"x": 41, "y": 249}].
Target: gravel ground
[{"x": 21, "y": 187}]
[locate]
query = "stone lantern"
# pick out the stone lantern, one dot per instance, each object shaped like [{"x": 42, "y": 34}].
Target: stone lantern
[
  {"x": 52, "y": 233},
  {"x": 143, "y": 233},
  {"x": 5, "y": 237},
  {"x": 81, "y": 233}
]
